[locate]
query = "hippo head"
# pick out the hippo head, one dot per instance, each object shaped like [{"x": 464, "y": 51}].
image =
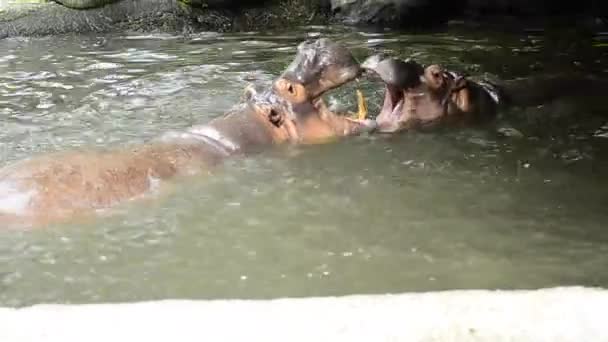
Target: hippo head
[
  {"x": 319, "y": 66},
  {"x": 415, "y": 96}
]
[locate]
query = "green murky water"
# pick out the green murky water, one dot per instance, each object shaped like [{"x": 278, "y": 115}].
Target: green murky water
[{"x": 468, "y": 208}]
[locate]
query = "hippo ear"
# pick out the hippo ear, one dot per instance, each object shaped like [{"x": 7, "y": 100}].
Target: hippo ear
[{"x": 249, "y": 92}]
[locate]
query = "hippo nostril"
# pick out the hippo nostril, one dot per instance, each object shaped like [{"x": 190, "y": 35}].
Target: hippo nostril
[
  {"x": 290, "y": 89},
  {"x": 436, "y": 74}
]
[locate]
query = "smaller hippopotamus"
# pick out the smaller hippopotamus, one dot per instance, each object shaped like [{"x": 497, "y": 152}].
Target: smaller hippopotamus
[
  {"x": 418, "y": 97},
  {"x": 60, "y": 186}
]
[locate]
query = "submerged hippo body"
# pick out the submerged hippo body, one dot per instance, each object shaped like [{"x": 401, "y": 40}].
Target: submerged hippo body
[
  {"x": 46, "y": 188},
  {"x": 56, "y": 187},
  {"x": 418, "y": 97}
]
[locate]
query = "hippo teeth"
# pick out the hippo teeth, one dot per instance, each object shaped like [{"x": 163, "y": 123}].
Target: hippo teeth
[
  {"x": 393, "y": 102},
  {"x": 361, "y": 105},
  {"x": 398, "y": 108},
  {"x": 319, "y": 103}
]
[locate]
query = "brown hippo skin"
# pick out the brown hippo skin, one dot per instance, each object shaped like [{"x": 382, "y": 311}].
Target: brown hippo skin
[
  {"x": 60, "y": 186},
  {"x": 417, "y": 97}
]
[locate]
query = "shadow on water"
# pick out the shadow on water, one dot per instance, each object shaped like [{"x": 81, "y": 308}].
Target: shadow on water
[{"x": 518, "y": 204}]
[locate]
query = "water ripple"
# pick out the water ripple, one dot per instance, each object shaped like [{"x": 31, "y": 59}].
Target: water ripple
[{"x": 450, "y": 207}]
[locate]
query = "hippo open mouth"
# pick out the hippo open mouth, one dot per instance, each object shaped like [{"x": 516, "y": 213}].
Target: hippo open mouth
[
  {"x": 320, "y": 66},
  {"x": 393, "y": 104},
  {"x": 398, "y": 77}
]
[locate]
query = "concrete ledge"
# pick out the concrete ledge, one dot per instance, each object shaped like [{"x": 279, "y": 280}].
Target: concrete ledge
[{"x": 557, "y": 314}]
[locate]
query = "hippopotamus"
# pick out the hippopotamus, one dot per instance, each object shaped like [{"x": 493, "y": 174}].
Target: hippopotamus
[
  {"x": 418, "y": 97},
  {"x": 59, "y": 186}
]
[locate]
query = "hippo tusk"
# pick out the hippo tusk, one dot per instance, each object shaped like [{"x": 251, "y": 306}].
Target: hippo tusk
[
  {"x": 361, "y": 106},
  {"x": 361, "y": 113}
]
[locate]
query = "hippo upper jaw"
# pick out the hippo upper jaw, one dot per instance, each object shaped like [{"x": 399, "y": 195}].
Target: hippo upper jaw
[{"x": 321, "y": 65}]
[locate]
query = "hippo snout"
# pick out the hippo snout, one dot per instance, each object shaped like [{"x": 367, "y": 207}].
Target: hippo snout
[{"x": 321, "y": 65}]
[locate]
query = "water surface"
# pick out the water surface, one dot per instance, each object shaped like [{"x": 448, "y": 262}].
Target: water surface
[{"x": 466, "y": 208}]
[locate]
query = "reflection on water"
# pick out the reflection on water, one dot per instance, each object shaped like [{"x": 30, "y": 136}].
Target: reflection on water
[{"x": 518, "y": 204}]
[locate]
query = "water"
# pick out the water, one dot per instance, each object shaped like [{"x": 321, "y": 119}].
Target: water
[{"x": 466, "y": 208}]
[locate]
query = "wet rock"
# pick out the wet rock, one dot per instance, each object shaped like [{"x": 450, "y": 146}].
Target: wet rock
[
  {"x": 42, "y": 17},
  {"x": 53, "y": 18},
  {"x": 531, "y": 7},
  {"x": 84, "y": 4},
  {"x": 510, "y": 132},
  {"x": 413, "y": 13},
  {"x": 394, "y": 13},
  {"x": 171, "y": 16}
]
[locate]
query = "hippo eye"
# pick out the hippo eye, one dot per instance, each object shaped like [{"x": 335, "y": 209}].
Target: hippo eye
[{"x": 290, "y": 89}]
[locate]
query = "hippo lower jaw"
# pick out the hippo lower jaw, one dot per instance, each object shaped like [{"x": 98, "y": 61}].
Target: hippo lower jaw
[
  {"x": 315, "y": 123},
  {"x": 392, "y": 109}
]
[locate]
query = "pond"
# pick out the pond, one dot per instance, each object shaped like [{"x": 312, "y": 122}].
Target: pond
[{"x": 520, "y": 203}]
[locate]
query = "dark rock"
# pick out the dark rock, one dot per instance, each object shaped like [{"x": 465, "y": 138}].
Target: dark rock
[
  {"x": 534, "y": 7},
  {"x": 170, "y": 16},
  {"x": 84, "y": 4},
  {"x": 430, "y": 13},
  {"x": 53, "y": 18},
  {"x": 395, "y": 13}
]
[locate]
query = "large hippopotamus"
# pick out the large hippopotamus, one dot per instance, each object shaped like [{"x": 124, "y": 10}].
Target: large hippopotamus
[
  {"x": 418, "y": 97},
  {"x": 56, "y": 187}
]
